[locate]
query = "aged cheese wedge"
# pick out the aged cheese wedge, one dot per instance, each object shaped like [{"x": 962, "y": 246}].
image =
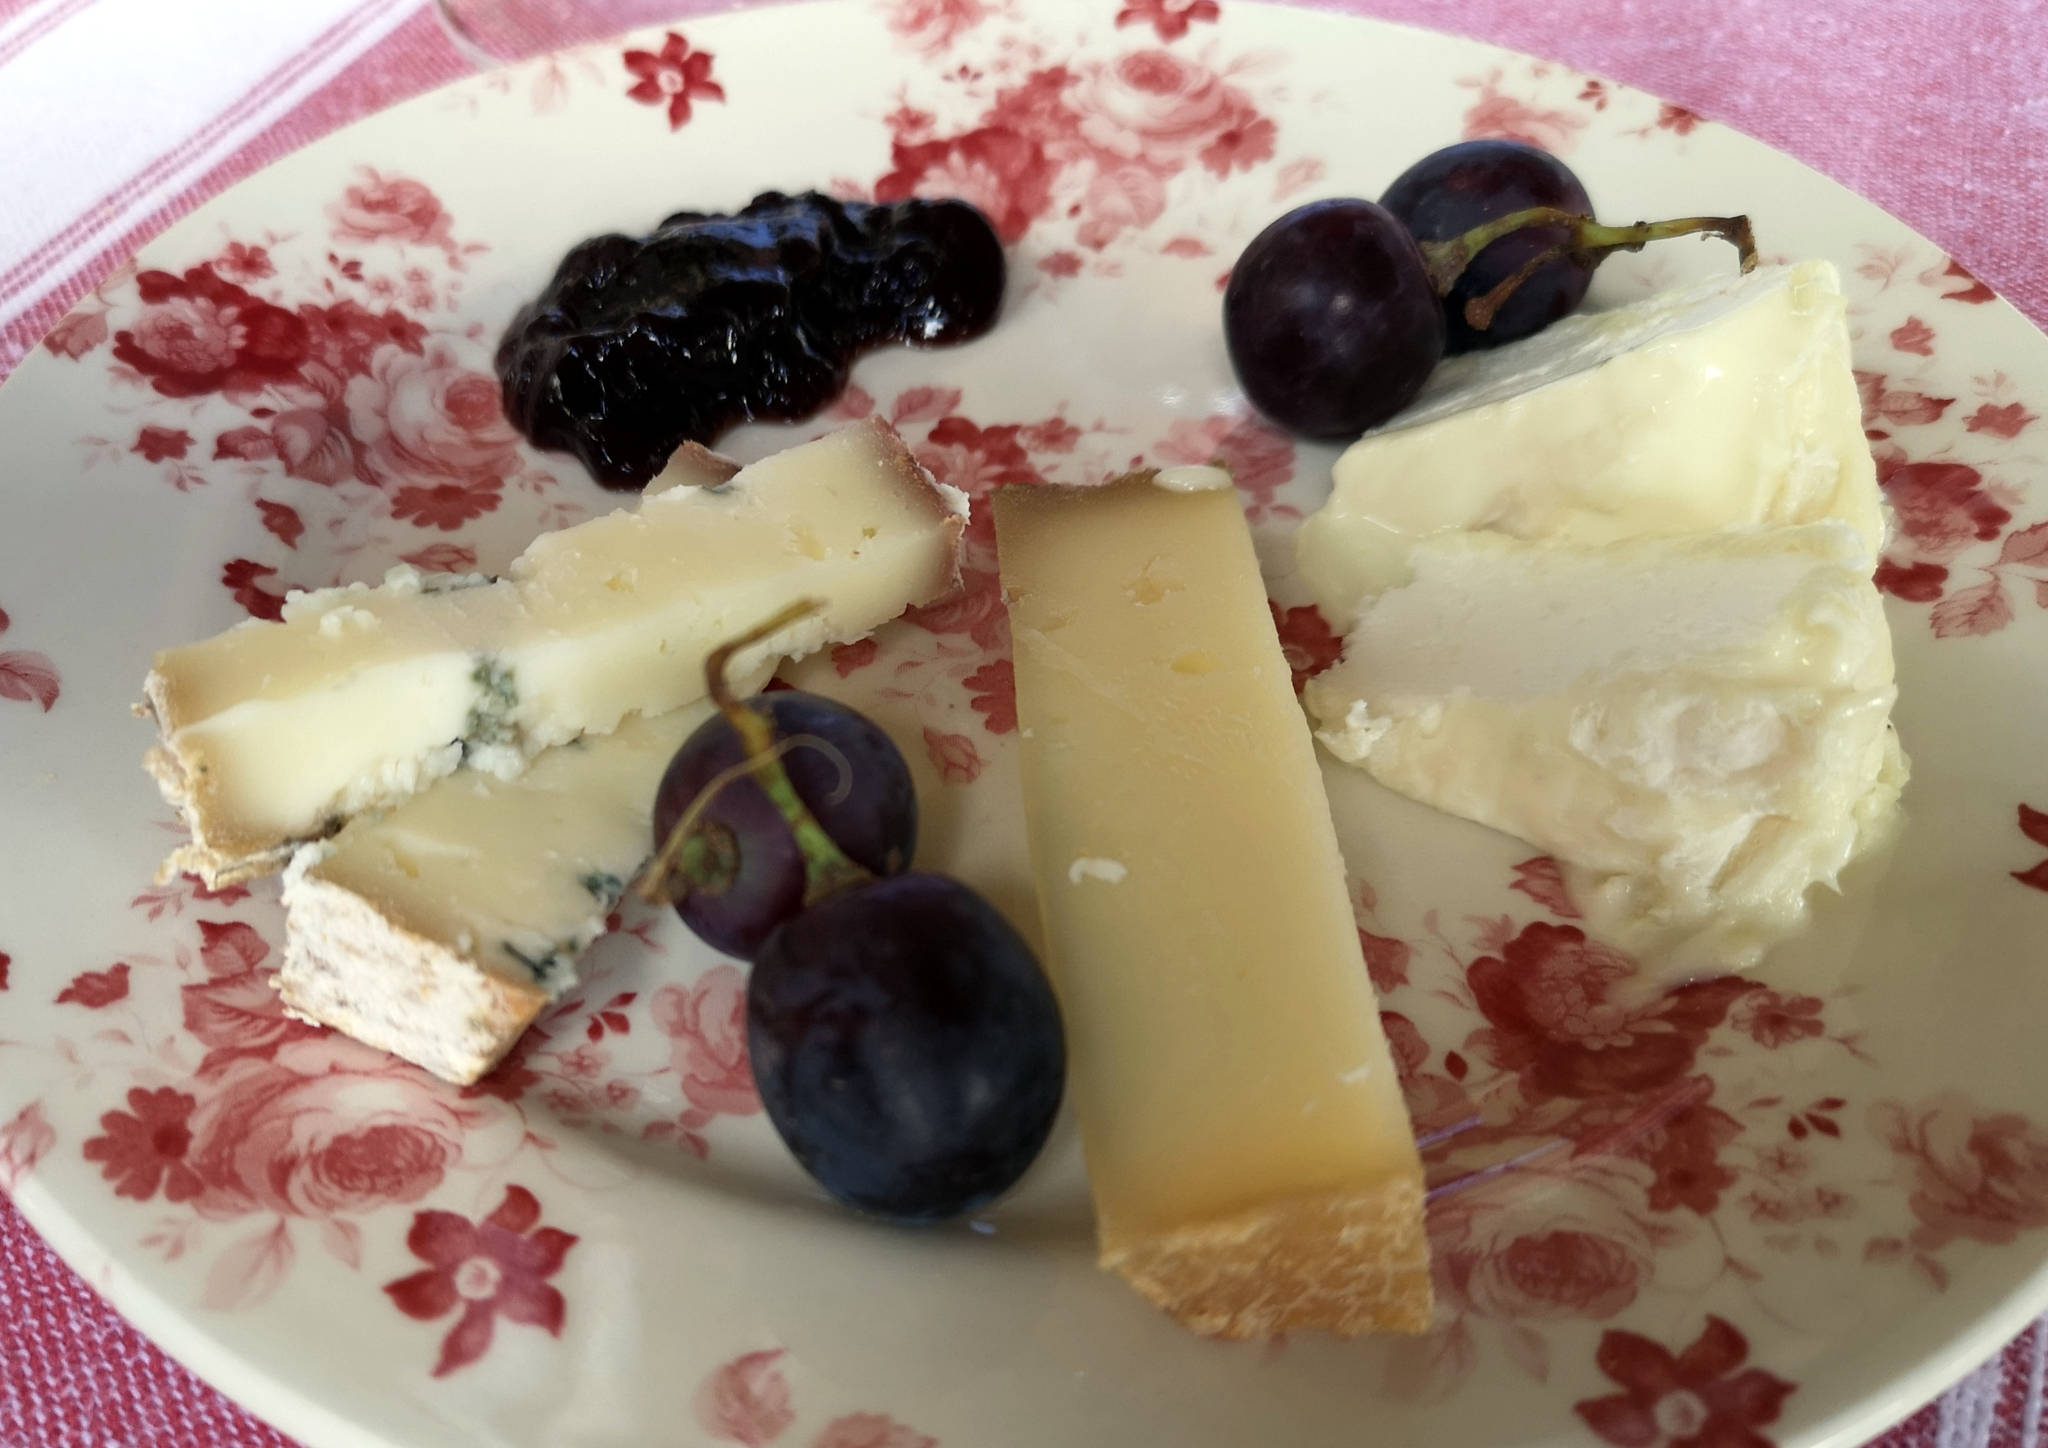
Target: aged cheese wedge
[
  {"x": 1253, "y": 1167},
  {"x": 438, "y": 930},
  {"x": 1698, "y": 727},
  {"x": 1729, "y": 404},
  {"x": 274, "y": 733}
]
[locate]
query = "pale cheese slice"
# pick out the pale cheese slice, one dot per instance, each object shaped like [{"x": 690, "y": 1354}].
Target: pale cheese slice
[
  {"x": 1728, "y": 404},
  {"x": 274, "y": 733},
  {"x": 1253, "y": 1167},
  {"x": 440, "y": 929},
  {"x": 1698, "y": 727}
]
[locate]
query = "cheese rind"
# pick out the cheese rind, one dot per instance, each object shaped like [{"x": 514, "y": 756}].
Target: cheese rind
[
  {"x": 273, "y": 733},
  {"x": 438, "y": 930},
  {"x": 1250, "y": 1154},
  {"x": 1698, "y": 727},
  {"x": 1729, "y": 404}
]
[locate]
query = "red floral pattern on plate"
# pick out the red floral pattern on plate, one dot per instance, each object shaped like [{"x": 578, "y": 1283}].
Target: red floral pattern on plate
[
  {"x": 27, "y": 677},
  {"x": 1701, "y": 1397},
  {"x": 1098, "y": 142},
  {"x": 748, "y": 1401},
  {"x": 498, "y": 1267},
  {"x": 674, "y": 76}
]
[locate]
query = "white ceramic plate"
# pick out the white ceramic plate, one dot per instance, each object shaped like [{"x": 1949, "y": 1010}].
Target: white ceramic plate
[{"x": 1782, "y": 1211}]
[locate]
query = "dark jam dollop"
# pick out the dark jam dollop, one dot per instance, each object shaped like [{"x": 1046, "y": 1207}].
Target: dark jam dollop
[{"x": 641, "y": 344}]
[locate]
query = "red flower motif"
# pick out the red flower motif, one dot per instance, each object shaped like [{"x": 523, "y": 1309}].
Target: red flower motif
[
  {"x": 157, "y": 443},
  {"x": 29, "y": 678},
  {"x": 24, "y": 1142},
  {"x": 1586, "y": 1254},
  {"x": 498, "y": 1267},
  {"x": 145, "y": 1146},
  {"x": 1694, "y": 1400},
  {"x": 1386, "y": 960},
  {"x": 674, "y": 75},
  {"x": 1551, "y": 1022},
  {"x": 708, "y": 1023},
  {"x": 1240, "y": 147},
  {"x": 1972, "y": 291},
  {"x": 975, "y": 608},
  {"x": 1677, "y": 118},
  {"x": 1773, "y": 1020},
  {"x": 346, "y": 336},
  {"x": 1306, "y": 641},
  {"x": 931, "y": 26},
  {"x": 282, "y": 521},
  {"x": 1914, "y": 582},
  {"x": 308, "y": 1124},
  {"x": 1915, "y": 336},
  {"x": 237, "y": 1014},
  {"x": 199, "y": 334},
  {"x": 244, "y": 263},
  {"x": 955, "y": 755},
  {"x": 1055, "y": 434},
  {"x": 2008, "y": 421},
  {"x": 392, "y": 208},
  {"x": 847, "y": 658},
  {"x": 994, "y": 687},
  {"x": 1003, "y": 172},
  {"x": 243, "y": 577},
  {"x": 1979, "y": 1177},
  {"x": 426, "y": 417},
  {"x": 1503, "y": 118},
  {"x": 1942, "y": 507},
  {"x": 747, "y": 1400},
  {"x": 1061, "y": 264},
  {"x": 1542, "y": 880},
  {"x": 77, "y": 334},
  {"x": 247, "y": 443},
  {"x": 1170, "y": 18},
  {"x": 976, "y": 459},
  {"x": 447, "y": 506},
  {"x": 96, "y": 989},
  {"x": 1982, "y": 609},
  {"x": 871, "y": 1430},
  {"x": 1683, "y": 1147},
  {"x": 442, "y": 558}
]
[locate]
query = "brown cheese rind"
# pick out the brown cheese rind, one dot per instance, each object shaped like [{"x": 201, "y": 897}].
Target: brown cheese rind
[{"x": 1348, "y": 1263}]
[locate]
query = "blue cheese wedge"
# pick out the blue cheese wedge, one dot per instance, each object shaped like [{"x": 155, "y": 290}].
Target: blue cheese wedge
[
  {"x": 274, "y": 733},
  {"x": 438, "y": 930},
  {"x": 1699, "y": 727},
  {"x": 1729, "y": 404}
]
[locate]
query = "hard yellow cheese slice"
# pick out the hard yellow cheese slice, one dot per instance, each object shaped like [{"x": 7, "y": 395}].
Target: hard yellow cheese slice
[{"x": 1253, "y": 1167}]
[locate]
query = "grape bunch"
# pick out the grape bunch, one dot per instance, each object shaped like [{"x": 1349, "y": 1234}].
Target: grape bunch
[
  {"x": 1336, "y": 314},
  {"x": 906, "y": 1044}
]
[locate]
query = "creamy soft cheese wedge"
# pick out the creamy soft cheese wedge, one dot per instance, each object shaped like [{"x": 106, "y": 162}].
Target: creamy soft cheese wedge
[
  {"x": 274, "y": 733},
  {"x": 439, "y": 929},
  {"x": 1729, "y": 404},
  {"x": 1253, "y": 1167},
  {"x": 1698, "y": 727}
]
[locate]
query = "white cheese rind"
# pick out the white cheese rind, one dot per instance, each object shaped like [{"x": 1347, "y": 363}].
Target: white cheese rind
[
  {"x": 1729, "y": 404},
  {"x": 273, "y": 733},
  {"x": 1698, "y": 727}
]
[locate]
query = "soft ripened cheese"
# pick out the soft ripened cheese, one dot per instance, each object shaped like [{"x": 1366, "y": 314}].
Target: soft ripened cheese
[
  {"x": 1698, "y": 727},
  {"x": 1729, "y": 404},
  {"x": 273, "y": 733},
  {"x": 439, "y": 929},
  {"x": 1252, "y": 1163}
]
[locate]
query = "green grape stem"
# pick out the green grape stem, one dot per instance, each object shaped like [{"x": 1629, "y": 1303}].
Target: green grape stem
[
  {"x": 1589, "y": 239},
  {"x": 827, "y": 869}
]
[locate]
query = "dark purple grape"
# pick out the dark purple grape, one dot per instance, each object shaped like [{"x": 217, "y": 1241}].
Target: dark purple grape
[
  {"x": 757, "y": 871},
  {"x": 907, "y": 1047},
  {"x": 1330, "y": 319},
  {"x": 1449, "y": 192}
]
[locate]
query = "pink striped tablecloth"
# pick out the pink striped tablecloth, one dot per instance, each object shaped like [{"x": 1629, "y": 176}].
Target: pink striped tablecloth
[{"x": 1935, "y": 109}]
